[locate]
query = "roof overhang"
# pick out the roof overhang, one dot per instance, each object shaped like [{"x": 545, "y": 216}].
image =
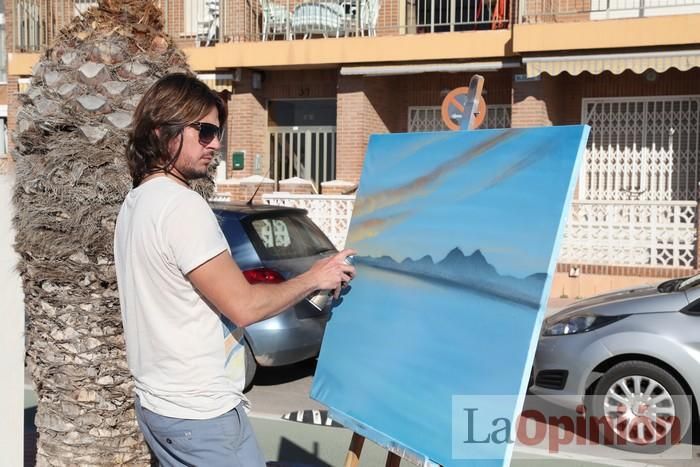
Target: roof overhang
[
  {"x": 615, "y": 63},
  {"x": 434, "y": 67}
]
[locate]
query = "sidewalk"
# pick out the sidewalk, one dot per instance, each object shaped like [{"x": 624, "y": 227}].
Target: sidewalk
[
  {"x": 555, "y": 304},
  {"x": 292, "y": 444}
]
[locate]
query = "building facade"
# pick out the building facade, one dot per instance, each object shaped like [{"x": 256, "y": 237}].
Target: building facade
[
  {"x": 312, "y": 79},
  {"x": 4, "y": 157}
]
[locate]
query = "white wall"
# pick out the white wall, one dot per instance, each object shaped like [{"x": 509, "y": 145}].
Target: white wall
[{"x": 11, "y": 337}]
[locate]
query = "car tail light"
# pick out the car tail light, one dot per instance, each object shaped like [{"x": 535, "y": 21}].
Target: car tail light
[{"x": 263, "y": 276}]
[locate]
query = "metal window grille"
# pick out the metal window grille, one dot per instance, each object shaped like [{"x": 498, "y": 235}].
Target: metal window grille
[
  {"x": 644, "y": 148},
  {"x": 638, "y": 185},
  {"x": 428, "y": 118}
]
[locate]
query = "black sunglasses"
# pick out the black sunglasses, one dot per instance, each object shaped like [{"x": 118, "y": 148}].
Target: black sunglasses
[{"x": 207, "y": 132}]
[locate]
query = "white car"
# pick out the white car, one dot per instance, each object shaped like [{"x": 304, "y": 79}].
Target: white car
[{"x": 631, "y": 357}]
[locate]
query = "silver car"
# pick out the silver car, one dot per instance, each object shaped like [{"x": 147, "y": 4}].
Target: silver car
[
  {"x": 272, "y": 244},
  {"x": 631, "y": 358}
]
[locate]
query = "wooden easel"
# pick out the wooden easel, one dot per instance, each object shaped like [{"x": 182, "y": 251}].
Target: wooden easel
[
  {"x": 471, "y": 109},
  {"x": 352, "y": 459}
]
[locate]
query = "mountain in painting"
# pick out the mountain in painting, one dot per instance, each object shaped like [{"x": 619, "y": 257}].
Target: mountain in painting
[{"x": 473, "y": 271}]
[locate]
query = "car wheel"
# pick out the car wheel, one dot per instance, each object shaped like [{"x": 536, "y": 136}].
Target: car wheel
[
  {"x": 251, "y": 365},
  {"x": 641, "y": 407}
]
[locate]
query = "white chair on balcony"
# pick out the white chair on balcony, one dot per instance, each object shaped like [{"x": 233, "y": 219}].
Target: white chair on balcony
[
  {"x": 207, "y": 29},
  {"x": 325, "y": 18},
  {"x": 369, "y": 14},
  {"x": 275, "y": 19}
]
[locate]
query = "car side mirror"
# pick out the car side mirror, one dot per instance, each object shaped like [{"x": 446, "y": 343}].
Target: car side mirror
[{"x": 692, "y": 308}]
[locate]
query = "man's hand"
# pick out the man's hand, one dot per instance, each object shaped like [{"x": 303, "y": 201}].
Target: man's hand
[
  {"x": 222, "y": 283},
  {"x": 332, "y": 273}
]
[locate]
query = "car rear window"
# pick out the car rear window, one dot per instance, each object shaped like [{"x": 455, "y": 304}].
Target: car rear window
[{"x": 285, "y": 236}]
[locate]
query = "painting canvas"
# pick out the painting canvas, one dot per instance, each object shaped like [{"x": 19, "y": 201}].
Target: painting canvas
[{"x": 457, "y": 237}]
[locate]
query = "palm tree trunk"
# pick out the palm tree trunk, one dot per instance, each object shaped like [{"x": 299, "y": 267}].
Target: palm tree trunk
[{"x": 71, "y": 178}]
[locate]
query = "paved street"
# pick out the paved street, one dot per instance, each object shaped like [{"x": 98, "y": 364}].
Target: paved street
[
  {"x": 281, "y": 391},
  {"x": 285, "y": 390}
]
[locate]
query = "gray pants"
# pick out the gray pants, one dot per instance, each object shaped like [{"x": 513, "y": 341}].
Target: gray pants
[{"x": 224, "y": 441}]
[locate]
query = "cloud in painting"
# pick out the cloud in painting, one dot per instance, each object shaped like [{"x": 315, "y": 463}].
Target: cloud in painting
[
  {"x": 424, "y": 184},
  {"x": 373, "y": 227}
]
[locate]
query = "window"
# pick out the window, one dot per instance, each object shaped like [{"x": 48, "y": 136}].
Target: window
[
  {"x": 272, "y": 232},
  {"x": 286, "y": 236}
]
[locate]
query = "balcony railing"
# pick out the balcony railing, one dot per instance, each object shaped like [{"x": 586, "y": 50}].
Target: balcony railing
[
  {"x": 3, "y": 52},
  {"x": 36, "y": 22},
  {"x": 547, "y": 11},
  {"x": 207, "y": 22},
  {"x": 264, "y": 20}
]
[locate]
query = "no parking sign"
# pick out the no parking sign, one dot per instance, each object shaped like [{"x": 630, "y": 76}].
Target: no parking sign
[{"x": 453, "y": 109}]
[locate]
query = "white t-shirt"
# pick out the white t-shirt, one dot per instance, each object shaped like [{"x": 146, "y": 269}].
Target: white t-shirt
[{"x": 187, "y": 361}]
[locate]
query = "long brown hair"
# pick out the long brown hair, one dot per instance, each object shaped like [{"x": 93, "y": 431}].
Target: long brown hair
[{"x": 172, "y": 103}]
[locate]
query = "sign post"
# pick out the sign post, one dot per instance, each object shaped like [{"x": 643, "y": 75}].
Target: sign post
[{"x": 464, "y": 108}]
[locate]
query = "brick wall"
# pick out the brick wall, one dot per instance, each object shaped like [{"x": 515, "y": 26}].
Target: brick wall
[
  {"x": 247, "y": 124},
  {"x": 546, "y": 11},
  {"x": 368, "y": 105},
  {"x": 351, "y": 139},
  {"x": 536, "y": 103},
  {"x": 174, "y": 19},
  {"x": 390, "y": 17},
  {"x": 9, "y": 25},
  {"x": 12, "y": 107},
  {"x": 3, "y": 94},
  {"x": 242, "y": 20},
  {"x": 380, "y": 106},
  {"x": 529, "y": 106},
  {"x": 557, "y": 100},
  {"x": 300, "y": 84},
  {"x": 12, "y": 86},
  {"x": 248, "y": 116}
]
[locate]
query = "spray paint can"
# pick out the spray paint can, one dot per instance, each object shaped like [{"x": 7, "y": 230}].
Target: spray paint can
[{"x": 321, "y": 298}]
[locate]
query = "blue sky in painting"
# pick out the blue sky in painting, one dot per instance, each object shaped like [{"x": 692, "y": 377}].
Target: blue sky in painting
[{"x": 476, "y": 191}]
